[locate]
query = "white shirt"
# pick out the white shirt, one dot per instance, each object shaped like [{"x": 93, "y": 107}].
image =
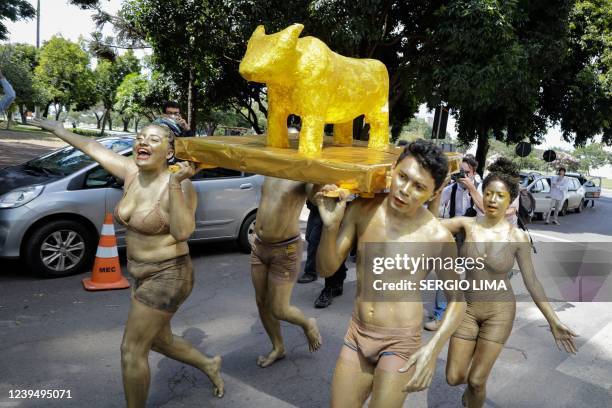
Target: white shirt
[
  {"x": 558, "y": 187},
  {"x": 462, "y": 199}
]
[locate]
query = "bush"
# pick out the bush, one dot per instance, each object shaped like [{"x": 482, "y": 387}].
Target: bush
[{"x": 86, "y": 132}]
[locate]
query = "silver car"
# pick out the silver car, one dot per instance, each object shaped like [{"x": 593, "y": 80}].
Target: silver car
[{"x": 52, "y": 208}]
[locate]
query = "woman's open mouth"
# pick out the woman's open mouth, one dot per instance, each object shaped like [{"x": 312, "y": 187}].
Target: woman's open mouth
[{"x": 143, "y": 154}]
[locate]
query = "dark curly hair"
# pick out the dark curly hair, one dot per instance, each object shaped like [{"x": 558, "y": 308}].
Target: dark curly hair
[
  {"x": 505, "y": 171},
  {"x": 430, "y": 156}
]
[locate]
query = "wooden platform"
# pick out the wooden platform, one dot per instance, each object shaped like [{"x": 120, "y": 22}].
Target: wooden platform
[{"x": 356, "y": 168}]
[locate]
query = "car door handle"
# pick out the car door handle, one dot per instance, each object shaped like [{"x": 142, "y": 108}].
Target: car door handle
[{"x": 246, "y": 186}]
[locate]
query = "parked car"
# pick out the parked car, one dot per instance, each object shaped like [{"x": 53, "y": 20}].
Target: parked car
[
  {"x": 528, "y": 177},
  {"x": 540, "y": 190},
  {"x": 52, "y": 207},
  {"x": 592, "y": 190},
  {"x": 575, "y": 196}
]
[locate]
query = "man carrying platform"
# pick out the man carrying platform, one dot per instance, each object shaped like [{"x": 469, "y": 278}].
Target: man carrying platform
[
  {"x": 275, "y": 263},
  {"x": 383, "y": 341}
]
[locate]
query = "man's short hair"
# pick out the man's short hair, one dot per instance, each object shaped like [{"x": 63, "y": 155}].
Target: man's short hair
[
  {"x": 430, "y": 156},
  {"x": 561, "y": 168},
  {"x": 470, "y": 160},
  {"x": 170, "y": 104}
]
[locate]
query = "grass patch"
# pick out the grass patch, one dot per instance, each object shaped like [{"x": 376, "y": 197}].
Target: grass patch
[
  {"x": 606, "y": 183},
  {"x": 18, "y": 127}
]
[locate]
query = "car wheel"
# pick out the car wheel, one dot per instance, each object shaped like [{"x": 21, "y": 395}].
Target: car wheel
[
  {"x": 580, "y": 206},
  {"x": 563, "y": 211},
  {"x": 59, "y": 248},
  {"x": 247, "y": 234}
]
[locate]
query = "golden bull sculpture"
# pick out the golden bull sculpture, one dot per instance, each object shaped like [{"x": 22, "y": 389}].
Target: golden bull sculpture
[{"x": 305, "y": 78}]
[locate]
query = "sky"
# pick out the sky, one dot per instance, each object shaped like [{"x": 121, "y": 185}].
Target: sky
[{"x": 59, "y": 17}]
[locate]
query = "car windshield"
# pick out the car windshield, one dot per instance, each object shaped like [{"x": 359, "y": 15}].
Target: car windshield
[{"x": 66, "y": 161}]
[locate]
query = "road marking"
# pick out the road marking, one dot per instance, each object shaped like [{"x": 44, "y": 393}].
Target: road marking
[
  {"x": 593, "y": 363},
  {"x": 537, "y": 234}
]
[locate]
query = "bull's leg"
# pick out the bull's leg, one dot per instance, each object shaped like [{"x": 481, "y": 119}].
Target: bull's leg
[
  {"x": 311, "y": 135},
  {"x": 379, "y": 126},
  {"x": 277, "y": 127},
  {"x": 343, "y": 133}
]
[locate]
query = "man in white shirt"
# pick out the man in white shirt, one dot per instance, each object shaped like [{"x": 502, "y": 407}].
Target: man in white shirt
[{"x": 558, "y": 191}]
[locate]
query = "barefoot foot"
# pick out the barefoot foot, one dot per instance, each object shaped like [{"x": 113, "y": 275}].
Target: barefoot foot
[
  {"x": 213, "y": 371},
  {"x": 313, "y": 335},
  {"x": 275, "y": 354}
]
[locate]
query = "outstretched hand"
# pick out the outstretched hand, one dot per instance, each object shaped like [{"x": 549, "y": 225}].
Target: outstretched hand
[
  {"x": 47, "y": 124},
  {"x": 331, "y": 209},
  {"x": 425, "y": 367},
  {"x": 563, "y": 336}
]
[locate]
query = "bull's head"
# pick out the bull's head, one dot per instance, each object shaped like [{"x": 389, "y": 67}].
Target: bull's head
[{"x": 268, "y": 56}]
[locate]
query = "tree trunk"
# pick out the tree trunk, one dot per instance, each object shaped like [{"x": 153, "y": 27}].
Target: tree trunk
[
  {"x": 109, "y": 119},
  {"x": 58, "y": 112},
  {"x": 9, "y": 116},
  {"x": 23, "y": 113},
  {"x": 104, "y": 118},
  {"x": 192, "y": 96},
  {"x": 482, "y": 150},
  {"x": 46, "y": 110},
  {"x": 209, "y": 128},
  {"x": 126, "y": 124},
  {"x": 98, "y": 119},
  {"x": 136, "y": 121},
  {"x": 396, "y": 130}
]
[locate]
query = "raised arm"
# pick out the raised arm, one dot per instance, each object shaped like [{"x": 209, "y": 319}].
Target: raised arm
[
  {"x": 115, "y": 163},
  {"x": 425, "y": 358},
  {"x": 562, "y": 334},
  {"x": 183, "y": 202},
  {"x": 9, "y": 93},
  {"x": 338, "y": 232}
]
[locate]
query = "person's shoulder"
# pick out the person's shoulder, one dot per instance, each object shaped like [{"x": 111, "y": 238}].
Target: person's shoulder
[
  {"x": 519, "y": 235},
  {"x": 363, "y": 206},
  {"x": 435, "y": 230}
]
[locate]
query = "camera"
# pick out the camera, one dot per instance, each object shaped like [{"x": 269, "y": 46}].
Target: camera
[{"x": 459, "y": 175}]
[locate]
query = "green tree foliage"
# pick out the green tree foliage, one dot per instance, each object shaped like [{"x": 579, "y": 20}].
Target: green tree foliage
[
  {"x": 108, "y": 76},
  {"x": 579, "y": 95},
  {"x": 63, "y": 75},
  {"x": 130, "y": 100},
  {"x": 14, "y": 10},
  {"x": 486, "y": 59},
  {"x": 505, "y": 69},
  {"x": 18, "y": 63},
  {"x": 592, "y": 156}
]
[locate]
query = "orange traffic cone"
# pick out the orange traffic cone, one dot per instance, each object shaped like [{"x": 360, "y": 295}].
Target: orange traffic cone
[{"x": 106, "y": 273}]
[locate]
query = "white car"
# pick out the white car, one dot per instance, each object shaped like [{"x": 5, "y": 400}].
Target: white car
[
  {"x": 592, "y": 190},
  {"x": 540, "y": 189}
]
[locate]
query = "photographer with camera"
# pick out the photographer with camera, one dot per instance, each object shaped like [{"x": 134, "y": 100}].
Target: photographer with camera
[
  {"x": 459, "y": 198},
  {"x": 171, "y": 110}
]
